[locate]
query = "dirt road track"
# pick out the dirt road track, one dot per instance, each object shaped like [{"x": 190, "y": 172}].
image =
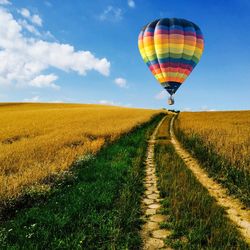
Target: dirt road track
[{"x": 235, "y": 210}]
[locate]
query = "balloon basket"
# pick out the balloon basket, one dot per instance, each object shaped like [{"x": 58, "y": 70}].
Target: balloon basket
[{"x": 170, "y": 100}]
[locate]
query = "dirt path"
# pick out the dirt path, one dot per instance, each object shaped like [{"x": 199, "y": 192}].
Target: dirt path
[
  {"x": 235, "y": 210},
  {"x": 153, "y": 237}
]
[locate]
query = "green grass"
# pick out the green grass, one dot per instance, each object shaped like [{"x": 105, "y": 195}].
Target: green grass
[
  {"x": 237, "y": 181},
  {"x": 98, "y": 207},
  {"x": 196, "y": 221}
]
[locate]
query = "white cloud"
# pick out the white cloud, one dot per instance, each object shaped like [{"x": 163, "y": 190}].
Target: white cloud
[
  {"x": 37, "y": 98},
  {"x": 162, "y": 95},
  {"x": 112, "y": 103},
  {"x": 44, "y": 81},
  {"x": 25, "y": 58},
  {"x": 205, "y": 108},
  {"x": 5, "y": 2},
  {"x": 25, "y": 12},
  {"x": 105, "y": 102},
  {"x": 32, "y": 99},
  {"x": 35, "y": 19},
  {"x": 111, "y": 13},
  {"x": 131, "y": 3},
  {"x": 47, "y": 34},
  {"x": 56, "y": 101},
  {"x": 187, "y": 109},
  {"x": 121, "y": 82},
  {"x": 29, "y": 27}
]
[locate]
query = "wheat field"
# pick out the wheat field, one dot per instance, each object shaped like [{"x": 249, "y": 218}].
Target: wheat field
[
  {"x": 40, "y": 140},
  {"x": 228, "y": 133}
]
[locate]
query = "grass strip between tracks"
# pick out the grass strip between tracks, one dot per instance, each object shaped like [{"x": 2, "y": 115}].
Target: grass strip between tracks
[
  {"x": 236, "y": 180},
  {"x": 97, "y": 208},
  {"x": 195, "y": 219}
]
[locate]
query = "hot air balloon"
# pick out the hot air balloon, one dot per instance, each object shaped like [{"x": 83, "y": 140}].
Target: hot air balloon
[{"x": 171, "y": 48}]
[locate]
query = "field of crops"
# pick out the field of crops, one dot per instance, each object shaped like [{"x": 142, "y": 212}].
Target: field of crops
[
  {"x": 97, "y": 204},
  {"x": 39, "y": 140},
  {"x": 194, "y": 217},
  {"x": 221, "y": 142},
  {"x": 227, "y": 132}
]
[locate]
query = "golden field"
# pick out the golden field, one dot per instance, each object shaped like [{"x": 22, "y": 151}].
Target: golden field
[
  {"x": 227, "y": 132},
  {"x": 38, "y": 140}
]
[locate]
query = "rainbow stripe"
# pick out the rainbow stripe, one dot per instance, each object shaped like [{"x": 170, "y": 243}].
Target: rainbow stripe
[{"x": 171, "y": 48}]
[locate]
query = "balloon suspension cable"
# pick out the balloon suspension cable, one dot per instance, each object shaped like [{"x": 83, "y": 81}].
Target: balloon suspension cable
[{"x": 171, "y": 100}]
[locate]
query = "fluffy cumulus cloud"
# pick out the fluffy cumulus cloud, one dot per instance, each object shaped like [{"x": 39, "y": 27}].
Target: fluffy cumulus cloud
[
  {"x": 24, "y": 12},
  {"x": 44, "y": 81},
  {"x": 121, "y": 82},
  {"x": 35, "y": 19},
  {"x": 111, "y": 13},
  {"x": 29, "y": 27},
  {"x": 24, "y": 57},
  {"x": 131, "y": 3}
]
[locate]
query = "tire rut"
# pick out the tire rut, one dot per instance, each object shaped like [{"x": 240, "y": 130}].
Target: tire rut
[{"x": 234, "y": 209}]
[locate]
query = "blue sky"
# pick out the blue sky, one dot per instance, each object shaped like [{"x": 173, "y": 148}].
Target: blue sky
[{"x": 44, "y": 57}]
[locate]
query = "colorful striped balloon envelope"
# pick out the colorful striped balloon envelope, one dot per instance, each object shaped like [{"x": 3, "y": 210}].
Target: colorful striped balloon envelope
[{"x": 171, "y": 48}]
